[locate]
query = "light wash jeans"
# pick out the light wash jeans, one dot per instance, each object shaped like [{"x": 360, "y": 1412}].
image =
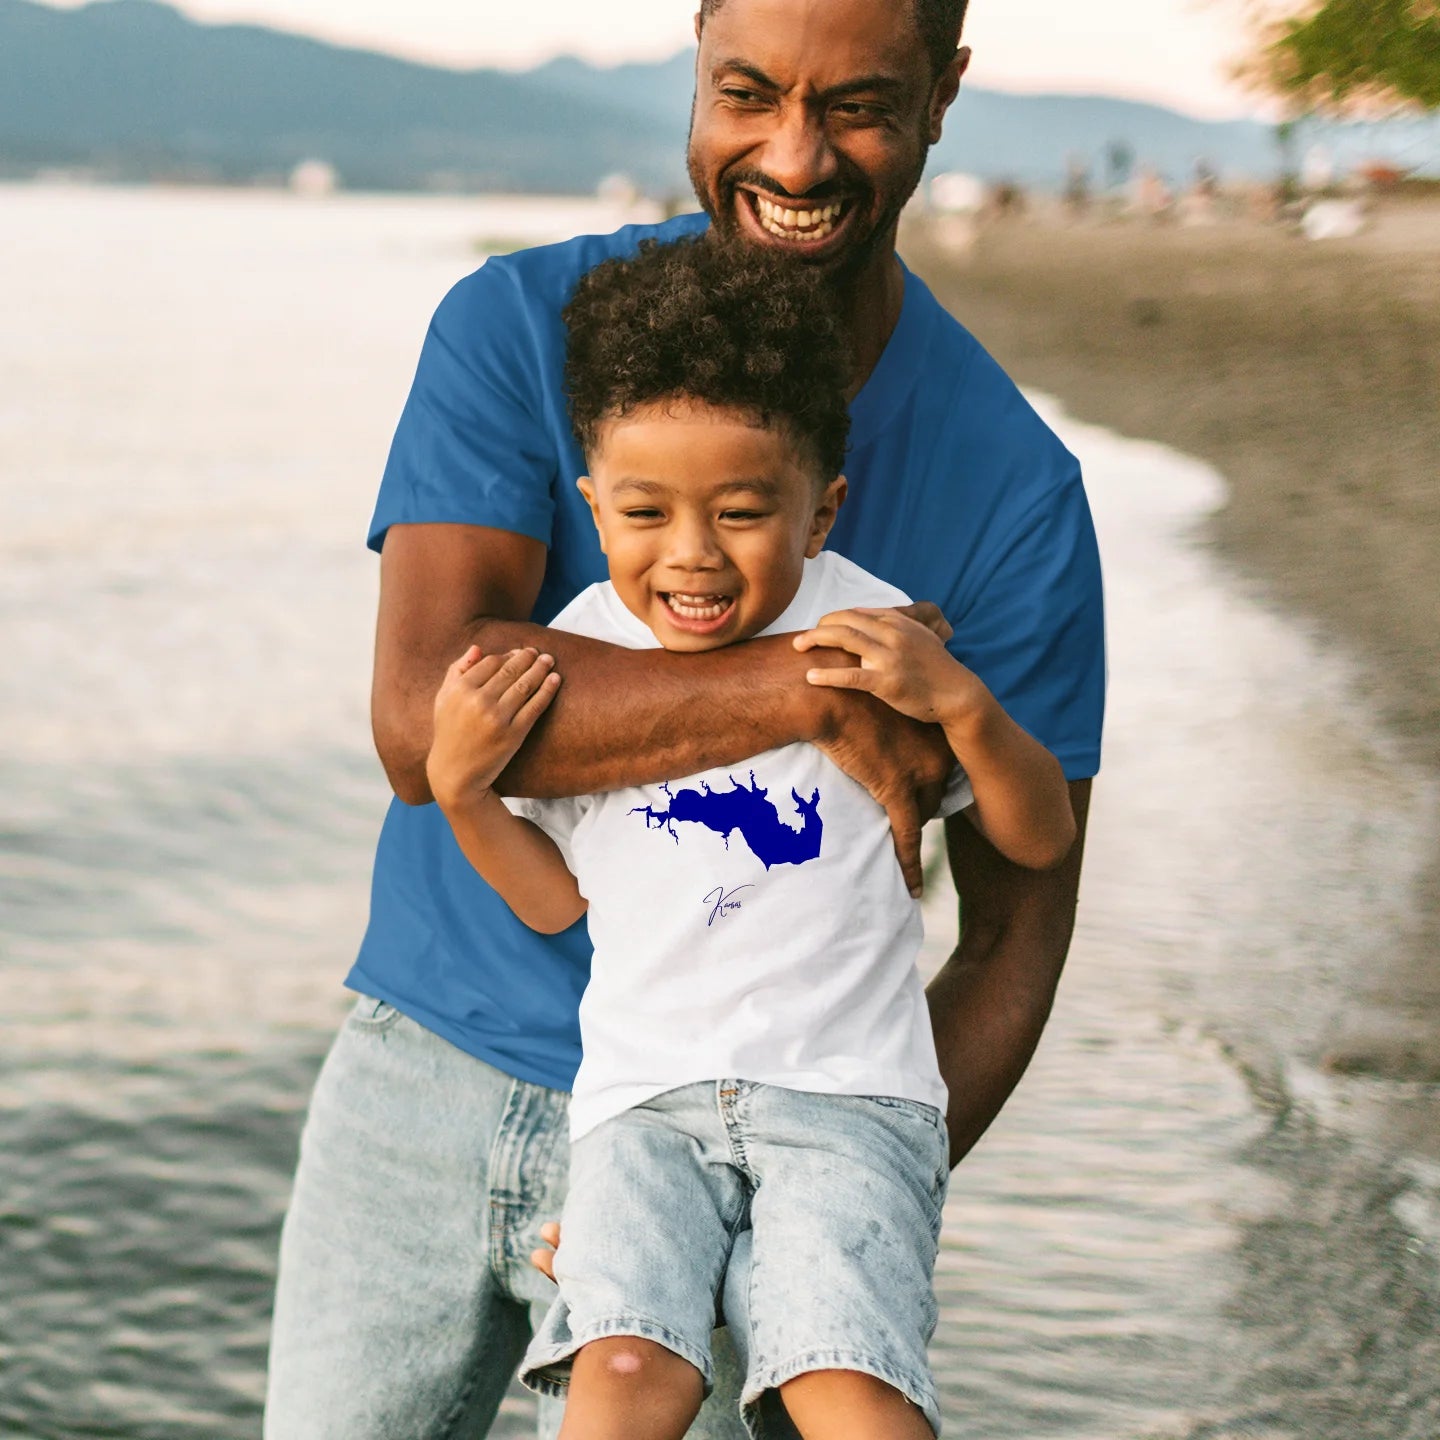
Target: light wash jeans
[
  {"x": 406, "y": 1296},
  {"x": 831, "y": 1203}
]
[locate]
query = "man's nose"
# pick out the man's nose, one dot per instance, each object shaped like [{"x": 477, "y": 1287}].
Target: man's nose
[{"x": 798, "y": 155}]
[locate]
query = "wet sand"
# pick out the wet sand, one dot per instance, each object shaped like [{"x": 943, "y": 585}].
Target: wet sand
[{"x": 1308, "y": 374}]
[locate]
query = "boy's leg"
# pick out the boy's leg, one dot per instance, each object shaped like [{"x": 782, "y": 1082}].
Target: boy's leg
[
  {"x": 719, "y": 1417},
  {"x": 625, "y": 1388},
  {"x": 423, "y": 1177},
  {"x": 845, "y": 1221},
  {"x": 848, "y": 1405},
  {"x": 653, "y": 1203}
]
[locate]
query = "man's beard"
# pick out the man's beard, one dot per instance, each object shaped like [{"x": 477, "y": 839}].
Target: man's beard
[{"x": 847, "y": 263}]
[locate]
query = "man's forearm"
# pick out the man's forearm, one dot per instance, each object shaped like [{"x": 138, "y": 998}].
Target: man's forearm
[
  {"x": 990, "y": 1001},
  {"x": 632, "y": 717}
]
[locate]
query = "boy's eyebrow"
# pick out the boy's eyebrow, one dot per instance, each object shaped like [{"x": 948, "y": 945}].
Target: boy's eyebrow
[
  {"x": 755, "y": 487},
  {"x": 760, "y": 486},
  {"x": 646, "y": 487}
]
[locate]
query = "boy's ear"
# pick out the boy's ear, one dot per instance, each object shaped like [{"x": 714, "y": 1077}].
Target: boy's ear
[
  {"x": 586, "y": 486},
  {"x": 825, "y": 513}
]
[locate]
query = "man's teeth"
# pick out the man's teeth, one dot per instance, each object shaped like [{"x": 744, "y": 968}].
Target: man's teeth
[
  {"x": 792, "y": 224},
  {"x": 699, "y": 607}
]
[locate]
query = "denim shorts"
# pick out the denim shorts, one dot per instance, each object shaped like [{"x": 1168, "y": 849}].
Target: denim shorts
[{"x": 809, "y": 1222}]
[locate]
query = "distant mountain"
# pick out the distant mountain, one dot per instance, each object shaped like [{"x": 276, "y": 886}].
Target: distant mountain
[
  {"x": 1030, "y": 138},
  {"x": 135, "y": 89},
  {"x": 660, "y": 90},
  {"x": 132, "y": 87}
]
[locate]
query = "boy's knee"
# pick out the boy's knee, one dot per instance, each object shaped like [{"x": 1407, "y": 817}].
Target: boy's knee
[
  {"x": 634, "y": 1359},
  {"x": 625, "y": 1386},
  {"x": 626, "y": 1358}
]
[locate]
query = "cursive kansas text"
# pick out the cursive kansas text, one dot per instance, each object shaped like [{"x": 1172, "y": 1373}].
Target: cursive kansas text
[{"x": 721, "y": 902}]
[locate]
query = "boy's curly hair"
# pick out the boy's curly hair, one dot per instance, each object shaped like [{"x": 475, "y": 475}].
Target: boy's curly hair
[{"x": 732, "y": 327}]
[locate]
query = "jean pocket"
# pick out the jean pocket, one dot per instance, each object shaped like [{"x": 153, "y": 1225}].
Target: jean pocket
[
  {"x": 918, "y": 1108},
  {"x": 372, "y": 1016},
  {"x": 936, "y": 1143}
]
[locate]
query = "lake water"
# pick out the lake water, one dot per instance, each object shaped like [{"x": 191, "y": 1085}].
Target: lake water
[{"x": 1180, "y": 1228}]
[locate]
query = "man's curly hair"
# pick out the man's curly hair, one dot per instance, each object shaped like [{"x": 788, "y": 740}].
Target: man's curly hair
[{"x": 729, "y": 326}]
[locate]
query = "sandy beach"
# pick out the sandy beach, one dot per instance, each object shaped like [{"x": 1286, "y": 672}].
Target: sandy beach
[{"x": 1308, "y": 374}]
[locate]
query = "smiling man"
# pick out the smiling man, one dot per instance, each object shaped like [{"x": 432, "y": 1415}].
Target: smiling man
[{"x": 435, "y": 1143}]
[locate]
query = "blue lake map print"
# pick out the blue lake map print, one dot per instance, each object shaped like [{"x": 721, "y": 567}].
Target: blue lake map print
[{"x": 748, "y": 809}]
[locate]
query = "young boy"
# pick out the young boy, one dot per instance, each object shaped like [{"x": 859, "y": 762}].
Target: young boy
[{"x": 757, "y": 1051}]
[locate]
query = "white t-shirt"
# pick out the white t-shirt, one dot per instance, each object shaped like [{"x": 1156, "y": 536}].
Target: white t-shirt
[{"x": 748, "y": 922}]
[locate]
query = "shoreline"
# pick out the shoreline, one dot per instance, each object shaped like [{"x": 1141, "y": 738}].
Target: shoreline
[{"x": 1308, "y": 375}]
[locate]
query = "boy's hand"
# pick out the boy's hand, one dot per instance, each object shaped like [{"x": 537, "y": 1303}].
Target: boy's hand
[
  {"x": 485, "y": 707},
  {"x": 543, "y": 1258},
  {"x": 903, "y": 661}
]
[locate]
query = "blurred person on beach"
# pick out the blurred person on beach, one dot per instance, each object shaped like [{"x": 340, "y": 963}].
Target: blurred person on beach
[
  {"x": 707, "y": 386},
  {"x": 434, "y": 1146}
]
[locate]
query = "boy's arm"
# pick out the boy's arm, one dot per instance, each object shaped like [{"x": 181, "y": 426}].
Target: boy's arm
[
  {"x": 627, "y": 717},
  {"x": 519, "y": 861},
  {"x": 1022, "y": 805},
  {"x": 485, "y": 707}
]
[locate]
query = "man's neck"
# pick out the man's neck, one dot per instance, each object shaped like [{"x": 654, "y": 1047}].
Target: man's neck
[{"x": 873, "y": 311}]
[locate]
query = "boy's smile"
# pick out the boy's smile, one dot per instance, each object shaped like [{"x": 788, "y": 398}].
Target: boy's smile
[{"x": 706, "y": 518}]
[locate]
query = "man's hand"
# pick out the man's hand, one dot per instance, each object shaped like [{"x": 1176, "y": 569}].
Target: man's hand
[
  {"x": 484, "y": 709},
  {"x": 1021, "y": 804},
  {"x": 901, "y": 762}
]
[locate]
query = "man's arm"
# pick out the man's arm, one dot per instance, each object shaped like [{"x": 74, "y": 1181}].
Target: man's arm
[
  {"x": 990, "y": 1001},
  {"x": 623, "y": 717}
]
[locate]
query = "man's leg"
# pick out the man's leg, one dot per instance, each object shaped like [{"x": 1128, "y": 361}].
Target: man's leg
[{"x": 423, "y": 1173}]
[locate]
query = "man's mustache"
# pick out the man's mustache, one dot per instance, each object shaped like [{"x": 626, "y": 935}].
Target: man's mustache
[{"x": 759, "y": 180}]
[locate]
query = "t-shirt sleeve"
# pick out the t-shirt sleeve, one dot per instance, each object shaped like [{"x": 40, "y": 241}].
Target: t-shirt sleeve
[
  {"x": 472, "y": 446},
  {"x": 557, "y": 818},
  {"x": 958, "y": 794},
  {"x": 1035, "y": 631}
]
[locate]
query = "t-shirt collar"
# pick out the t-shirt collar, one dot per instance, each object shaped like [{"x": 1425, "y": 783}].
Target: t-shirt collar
[{"x": 794, "y": 615}]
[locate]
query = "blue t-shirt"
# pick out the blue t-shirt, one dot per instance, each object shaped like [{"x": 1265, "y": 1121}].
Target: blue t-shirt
[{"x": 959, "y": 494}]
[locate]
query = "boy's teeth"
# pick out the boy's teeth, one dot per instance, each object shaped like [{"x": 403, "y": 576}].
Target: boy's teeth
[
  {"x": 699, "y": 607},
  {"x": 787, "y": 223}
]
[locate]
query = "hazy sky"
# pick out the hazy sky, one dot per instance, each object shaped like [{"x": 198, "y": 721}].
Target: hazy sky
[{"x": 1173, "y": 51}]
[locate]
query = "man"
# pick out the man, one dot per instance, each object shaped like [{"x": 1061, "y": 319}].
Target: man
[{"x": 435, "y": 1143}]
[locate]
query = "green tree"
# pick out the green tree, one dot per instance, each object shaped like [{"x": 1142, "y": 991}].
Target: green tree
[{"x": 1349, "y": 54}]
